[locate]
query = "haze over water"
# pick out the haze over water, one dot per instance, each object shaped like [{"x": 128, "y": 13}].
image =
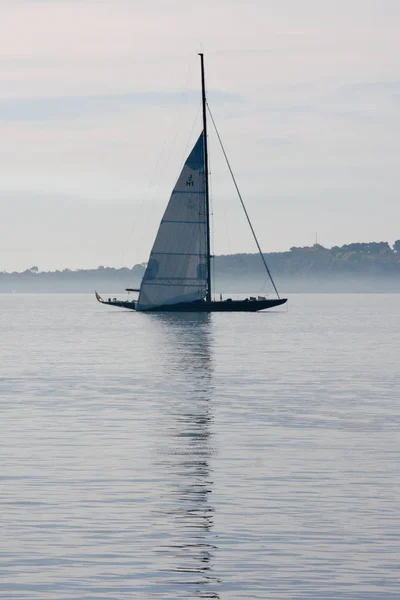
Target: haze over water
[{"x": 221, "y": 456}]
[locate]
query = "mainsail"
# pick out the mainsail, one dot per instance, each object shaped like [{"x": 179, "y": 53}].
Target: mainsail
[{"x": 177, "y": 267}]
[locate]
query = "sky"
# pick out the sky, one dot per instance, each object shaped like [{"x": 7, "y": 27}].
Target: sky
[{"x": 100, "y": 103}]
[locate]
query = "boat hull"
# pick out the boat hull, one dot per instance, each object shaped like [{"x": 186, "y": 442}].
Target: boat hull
[
  {"x": 227, "y": 306},
  {"x": 216, "y": 306}
]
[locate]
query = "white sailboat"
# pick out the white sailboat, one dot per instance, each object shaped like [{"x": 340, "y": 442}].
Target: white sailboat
[{"x": 178, "y": 273}]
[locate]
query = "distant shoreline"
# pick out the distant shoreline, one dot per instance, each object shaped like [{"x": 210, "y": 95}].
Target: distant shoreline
[{"x": 370, "y": 267}]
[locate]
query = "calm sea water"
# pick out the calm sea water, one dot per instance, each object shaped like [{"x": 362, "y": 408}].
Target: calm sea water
[{"x": 200, "y": 456}]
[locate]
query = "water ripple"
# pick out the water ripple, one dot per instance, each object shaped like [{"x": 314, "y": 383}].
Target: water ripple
[{"x": 199, "y": 456}]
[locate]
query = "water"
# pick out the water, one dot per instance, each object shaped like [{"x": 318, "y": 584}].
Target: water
[{"x": 200, "y": 456}]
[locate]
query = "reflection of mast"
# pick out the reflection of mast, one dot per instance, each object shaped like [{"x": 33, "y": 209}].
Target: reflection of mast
[{"x": 185, "y": 452}]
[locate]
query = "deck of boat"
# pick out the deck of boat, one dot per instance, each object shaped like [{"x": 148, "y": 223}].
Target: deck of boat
[{"x": 203, "y": 306}]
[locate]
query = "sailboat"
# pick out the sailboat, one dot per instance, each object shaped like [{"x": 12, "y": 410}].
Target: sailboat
[{"x": 178, "y": 273}]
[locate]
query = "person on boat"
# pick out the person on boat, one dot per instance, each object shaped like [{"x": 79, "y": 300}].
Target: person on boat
[{"x": 220, "y": 297}]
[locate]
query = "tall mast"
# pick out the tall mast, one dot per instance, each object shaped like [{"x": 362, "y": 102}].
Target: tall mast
[{"x": 204, "y": 103}]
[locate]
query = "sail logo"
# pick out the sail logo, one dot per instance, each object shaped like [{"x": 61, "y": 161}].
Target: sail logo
[{"x": 189, "y": 181}]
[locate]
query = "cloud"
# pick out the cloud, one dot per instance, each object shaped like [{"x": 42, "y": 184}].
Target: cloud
[
  {"x": 373, "y": 86},
  {"x": 275, "y": 142},
  {"x": 73, "y": 107}
]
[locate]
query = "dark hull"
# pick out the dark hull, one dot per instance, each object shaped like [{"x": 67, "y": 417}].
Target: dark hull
[{"x": 226, "y": 306}]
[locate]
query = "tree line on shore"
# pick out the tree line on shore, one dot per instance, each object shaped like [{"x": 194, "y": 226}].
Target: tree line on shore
[
  {"x": 359, "y": 258},
  {"x": 355, "y": 258}
]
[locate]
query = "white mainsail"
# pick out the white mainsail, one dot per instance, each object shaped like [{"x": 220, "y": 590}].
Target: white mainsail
[{"x": 177, "y": 267}]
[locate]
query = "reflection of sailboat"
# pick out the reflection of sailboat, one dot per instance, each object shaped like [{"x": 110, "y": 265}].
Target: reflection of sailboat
[
  {"x": 184, "y": 454},
  {"x": 178, "y": 273}
]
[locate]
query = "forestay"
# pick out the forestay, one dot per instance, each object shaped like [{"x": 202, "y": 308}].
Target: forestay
[{"x": 177, "y": 267}]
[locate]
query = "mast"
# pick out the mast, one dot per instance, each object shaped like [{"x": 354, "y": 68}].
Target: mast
[{"x": 204, "y": 104}]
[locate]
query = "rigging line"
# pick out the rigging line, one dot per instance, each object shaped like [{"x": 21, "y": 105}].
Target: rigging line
[
  {"x": 242, "y": 203},
  {"x": 149, "y": 194},
  {"x": 186, "y": 151},
  {"x": 183, "y": 103}
]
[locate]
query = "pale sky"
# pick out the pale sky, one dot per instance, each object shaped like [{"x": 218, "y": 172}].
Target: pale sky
[{"x": 99, "y": 104}]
